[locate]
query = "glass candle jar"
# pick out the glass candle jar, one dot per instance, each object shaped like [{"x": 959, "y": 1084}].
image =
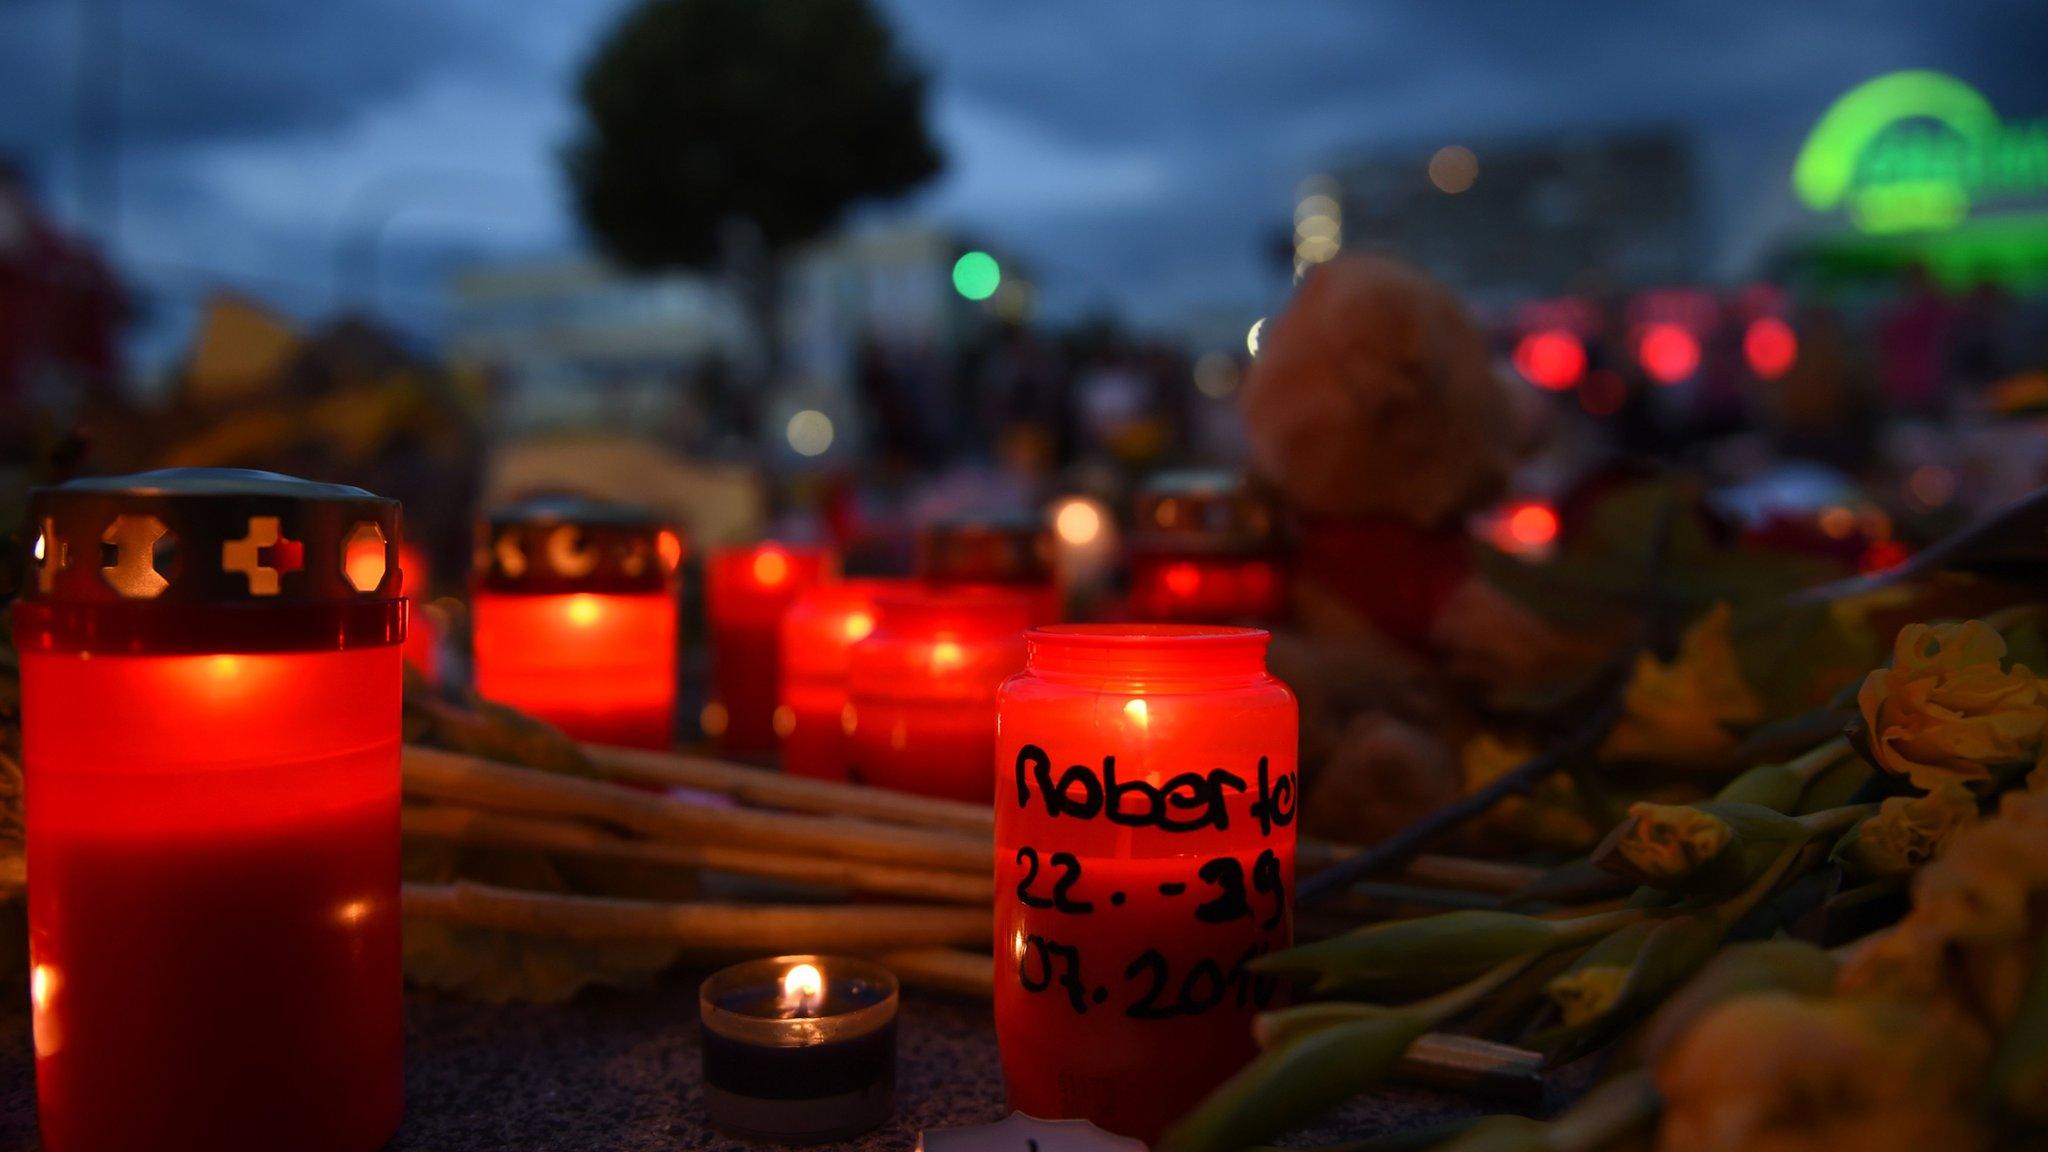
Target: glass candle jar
[
  {"x": 211, "y": 672},
  {"x": 799, "y": 1049},
  {"x": 1145, "y": 830},
  {"x": 1002, "y": 551},
  {"x": 1204, "y": 549},
  {"x": 818, "y": 635},
  {"x": 922, "y": 688},
  {"x": 574, "y": 619},
  {"x": 747, "y": 591}
]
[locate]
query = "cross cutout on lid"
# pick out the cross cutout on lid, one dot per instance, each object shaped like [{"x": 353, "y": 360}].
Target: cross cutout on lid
[{"x": 263, "y": 555}]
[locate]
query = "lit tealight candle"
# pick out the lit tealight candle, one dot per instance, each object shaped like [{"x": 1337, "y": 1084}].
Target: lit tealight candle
[
  {"x": 575, "y": 619},
  {"x": 799, "y": 1049}
]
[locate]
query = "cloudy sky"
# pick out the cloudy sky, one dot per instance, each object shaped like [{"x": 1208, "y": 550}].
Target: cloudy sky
[{"x": 1140, "y": 153}]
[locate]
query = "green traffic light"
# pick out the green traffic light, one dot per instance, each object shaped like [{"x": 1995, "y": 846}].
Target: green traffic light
[{"x": 976, "y": 275}]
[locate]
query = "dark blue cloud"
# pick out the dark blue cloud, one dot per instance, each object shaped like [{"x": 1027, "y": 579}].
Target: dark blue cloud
[{"x": 1137, "y": 152}]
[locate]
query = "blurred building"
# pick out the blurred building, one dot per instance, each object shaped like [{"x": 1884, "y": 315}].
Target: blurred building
[
  {"x": 575, "y": 343},
  {"x": 1517, "y": 219}
]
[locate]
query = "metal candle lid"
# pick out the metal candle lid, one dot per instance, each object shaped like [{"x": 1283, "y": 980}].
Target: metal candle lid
[
  {"x": 563, "y": 544},
  {"x": 985, "y": 550},
  {"x": 209, "y": 559},
  {"x": 1217, "y": 513}
]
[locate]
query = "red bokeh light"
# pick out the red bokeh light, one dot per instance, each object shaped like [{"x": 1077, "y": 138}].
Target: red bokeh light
[
  {"x": 1770, "y": 346},
  {"x": 1883, "y": 554},
  {"x": 1533, "y": 525},
  {"x": 1668, "y": 352},
  {"x": 1552, "y": 359}
]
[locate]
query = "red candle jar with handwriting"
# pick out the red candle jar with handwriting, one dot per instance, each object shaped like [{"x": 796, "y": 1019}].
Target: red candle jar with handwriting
[
  {"x": 422, "y": 632},
  {"x": 923, "y": 688},
  {"x": 574, "y": 619},
  {"x": 747, "y": 589},
  {"x": 1204, "y": 549},
  {"x": 210, "y": 679},
  {"x": 1145, "y": 829},
  {"x": 818, "y": 635},
  {"x": 1001, "y": 551}
]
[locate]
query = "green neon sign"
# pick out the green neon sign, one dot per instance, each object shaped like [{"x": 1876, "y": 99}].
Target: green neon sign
[{"x": 1914, "y": 151}]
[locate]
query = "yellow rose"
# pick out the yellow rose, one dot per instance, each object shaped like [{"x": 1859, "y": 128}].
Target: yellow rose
[
  {"x": 1947, "y": 709},
  {"x": 1907, "y": 831},
  {"x": 1680, "y": 712},
  {"x": 1774, "y": 1073}
]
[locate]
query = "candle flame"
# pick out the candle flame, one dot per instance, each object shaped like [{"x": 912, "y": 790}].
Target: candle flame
[
  {"x": 771, "y": 567},
  {"x": 858, "y": 625},
  {"x": 947, "y": 655},
  {"x": 1137, "y": 712},
  {"x": 584, "y": 609},
  {"x": 42, "y": 985},
  {"x": 39, "y": 547},
  {"x": 803, "y": 989}
]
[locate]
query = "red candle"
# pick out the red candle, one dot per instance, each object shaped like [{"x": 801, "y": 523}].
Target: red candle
[
  {"x": 1204, "y": 550},
  {"x": 1007, "y": 552},
  {"x": 574, "y": 619},
  {"x": 747, "y": 591},
  {"x": 422, "y": 633},
  {"x": 818, "y": 635},
  {"x": 211, "y": 681},
  {"x": 923, "y": 687},
  {"x": 1145, "y": 809}
]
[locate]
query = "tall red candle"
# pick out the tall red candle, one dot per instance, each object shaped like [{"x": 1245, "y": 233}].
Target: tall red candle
[
  {"x": 1204, "y": 549},
  {"x": 747, "y": 589},
  {"x": 574, "y": 619},
  {"x": 923, "y": 686},
  {"x": 818, "y": 635},
  {"x": 1145, "y": 811},
  {"x": 210, "y": 719},
  {"x": 1002, "y": 551}
]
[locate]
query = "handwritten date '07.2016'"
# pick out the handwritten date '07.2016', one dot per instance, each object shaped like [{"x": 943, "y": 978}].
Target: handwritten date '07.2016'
[
  {"x": 1047, "y": 964},
  {"x": 1225, "y": 874}
]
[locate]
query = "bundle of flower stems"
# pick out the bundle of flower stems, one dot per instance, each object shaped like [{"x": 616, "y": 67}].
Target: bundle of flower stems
[{"x": 919, "y": 870}]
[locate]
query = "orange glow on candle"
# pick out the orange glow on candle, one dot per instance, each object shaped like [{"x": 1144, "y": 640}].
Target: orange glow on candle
[
  {"x": 922, "y": 688},
  {"x": 817, "y": 638},
  {"x": 599, "y": 666},
  {"x": 1144, "y": 854}
]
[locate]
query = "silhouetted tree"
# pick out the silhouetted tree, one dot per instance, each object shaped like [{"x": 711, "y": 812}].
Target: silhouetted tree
[{"x": 728, "y": 131}]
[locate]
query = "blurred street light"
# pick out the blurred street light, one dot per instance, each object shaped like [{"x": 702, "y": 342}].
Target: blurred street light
[{"x": 976, "y": 275}]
